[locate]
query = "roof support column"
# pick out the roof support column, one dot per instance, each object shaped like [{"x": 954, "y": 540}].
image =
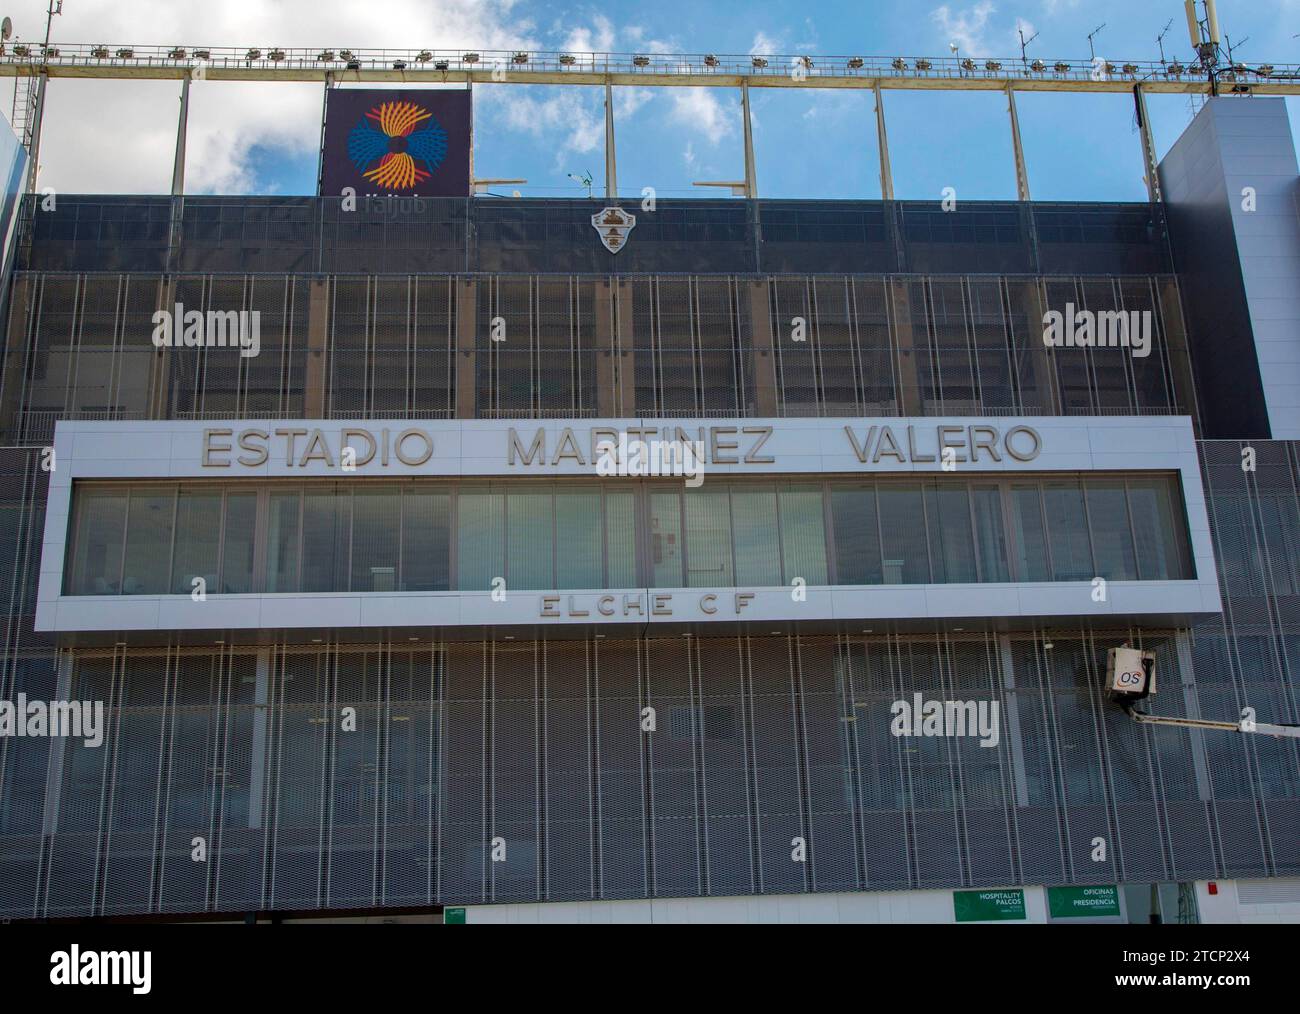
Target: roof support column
[
  {"x": 751, "y": 173},
  {"x": 1150, "y": 165},
  {"x": 611, "y": 165},
  {"x": 882, "y": 142},
  {"x": 1022, "y": 174},
  {"x": 34, "y": 149},
  {"x": 182, "y": 125}
]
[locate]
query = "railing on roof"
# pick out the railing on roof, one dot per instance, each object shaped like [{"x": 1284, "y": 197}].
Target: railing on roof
[{"x": 429, "y": 66}]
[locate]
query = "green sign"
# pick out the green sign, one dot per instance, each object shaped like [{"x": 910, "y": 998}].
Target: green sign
[
  {"x": 988, "y": 906},
  {"x": 453, "y": 917},
  {"x": 1083, "y": 902}
]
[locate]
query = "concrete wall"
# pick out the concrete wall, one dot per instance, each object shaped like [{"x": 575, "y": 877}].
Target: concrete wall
[
  {"x": 1252, "y": 901},
  {"x": 176, "y": 450}
]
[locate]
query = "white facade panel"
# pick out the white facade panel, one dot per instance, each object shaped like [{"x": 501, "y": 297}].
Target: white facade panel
[{"x": 252, "y": 449}]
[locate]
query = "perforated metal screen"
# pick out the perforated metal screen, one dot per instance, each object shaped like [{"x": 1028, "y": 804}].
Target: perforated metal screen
[
  {"x": 398, "y": 774},
  {"x": 563, "y": 346}
]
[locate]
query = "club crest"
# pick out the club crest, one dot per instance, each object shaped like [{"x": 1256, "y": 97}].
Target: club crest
[{"x": 614, "y": 225}]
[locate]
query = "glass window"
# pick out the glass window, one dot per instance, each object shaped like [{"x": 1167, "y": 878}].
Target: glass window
[
  {"x": 530, "y": 552},
  {"x": 326, "y": 532},
  {"x": 1067, "y": 531},
  {"x": 376, "y": 534},
  {"x": 753, "y": 511},
  {"x": 620, "y": 534},
  {"x": 1112, "y": 539},
  {"x": 426, "y": 541},
  {"x": 480, "y": 548},
  {"x": 857, "y": 535},
  {"x": 578, "y": 535},
  {"x": 1156, "y": 529},
  {"x": 666, "y": 539},
  {"x": 198, "y": 541},
  {"x": 240, "y": 543},
  {"x": 1028, "y": 534},
  {"x": 952, "y": 549},
  {"x": 329, "y": 537},
  {"x": 904, "y": 556},
  {"x": 990, "y": 534},
  {"x": 708, "y": 538},
  {"x": 282, "y": 543},
  {"x": 101, "y": 526},
  {"x": 146, "y": 567},
  {"x": 803, "y": 534}
]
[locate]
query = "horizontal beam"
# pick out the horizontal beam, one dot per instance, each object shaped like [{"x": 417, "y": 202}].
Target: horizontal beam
[{"x": 694, "y": 71}]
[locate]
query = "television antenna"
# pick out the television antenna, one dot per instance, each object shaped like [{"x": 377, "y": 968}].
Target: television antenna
[
  {"x": 1024, "y": 43},
  {"x": 56, "y": 7},
  {"x": 583, "y": 181},
  {"x": 1160, "y": 39},
  {"x": 1092, "y": 35}
]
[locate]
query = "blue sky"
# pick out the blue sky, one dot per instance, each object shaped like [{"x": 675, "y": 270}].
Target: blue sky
[{"x": 261, "y": 139}]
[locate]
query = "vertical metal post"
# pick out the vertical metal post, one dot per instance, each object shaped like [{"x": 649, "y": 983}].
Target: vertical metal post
[
  {"x": 1149, "y": 164},
  {"x": 35, "y": 149},
  {"x": 1192, "y": 709},
  {"x": 257, "y": 755},
  {"x": 182, "y": 125},
  {"x": 320, "y": 154},
  {"x": 1022, "y": 174},
  {"x": 59, "y": 750},
  {"x": 882, "y": 142},
  {"x": 751, "y": 174},
  {"x": 611, "y": 166},
  {"x": 1018, "y": 778}
]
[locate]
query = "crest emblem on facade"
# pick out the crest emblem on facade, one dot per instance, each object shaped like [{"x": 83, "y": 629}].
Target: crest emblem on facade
[{"x": 614, "y": 225}]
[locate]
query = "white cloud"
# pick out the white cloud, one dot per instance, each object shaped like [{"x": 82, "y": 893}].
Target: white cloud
[
  {"x": 765, "y": 45},
  {"x": 689, "y": 157},
  {"x": 597, "y": 39},
  {"x": 119, "y": 136},
  {"x": 965, "y": 27},
  {"x": 628, "y": 100},
  {"x": 698, "y": 109},
  {"x": 569, "y": 114}
]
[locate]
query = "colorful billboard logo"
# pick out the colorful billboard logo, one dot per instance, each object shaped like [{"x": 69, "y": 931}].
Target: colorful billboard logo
[
  {"x": 397, "y": 145},
  {"x": 407, "y": 142}
]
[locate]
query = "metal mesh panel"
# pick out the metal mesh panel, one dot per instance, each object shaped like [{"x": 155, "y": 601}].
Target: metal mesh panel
[
  {"x": 521, "y": 770},
  {"x": 760, "y": 741},
  {"x": 560, "y": 346}
]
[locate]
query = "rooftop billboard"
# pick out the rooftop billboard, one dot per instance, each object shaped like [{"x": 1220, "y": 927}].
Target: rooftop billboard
[{"x": 409, "y": 142}]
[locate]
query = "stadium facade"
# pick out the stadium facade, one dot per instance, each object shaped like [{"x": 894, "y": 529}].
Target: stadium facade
[{"x": 373, "y": 630}]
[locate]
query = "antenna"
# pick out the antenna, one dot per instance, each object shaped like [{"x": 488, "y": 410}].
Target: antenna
[
  {"x": 1024, "y": 43},
  {"x": 1160, "y": 39},
  {"x": 6, "y": 30},
  {"x": 56, "y": 7},
  {"x": 583, "y": 181},
  {"x": 1092, "y": 35},
  {"x": 1211, "y": 22},
  {"x": 1193, "y": 25}
]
